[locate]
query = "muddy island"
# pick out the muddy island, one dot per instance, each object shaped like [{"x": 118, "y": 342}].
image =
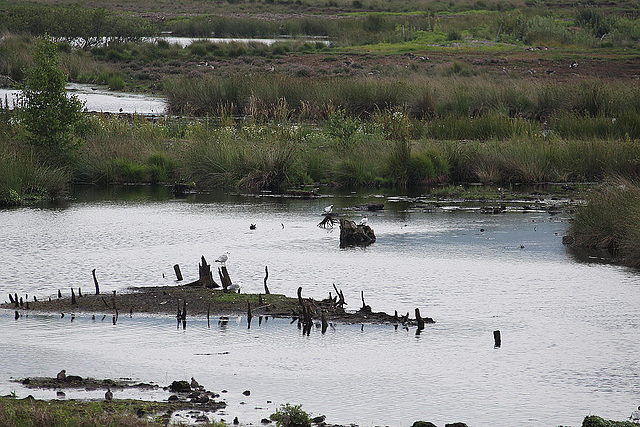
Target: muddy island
[{"x": 204, "y": 297}]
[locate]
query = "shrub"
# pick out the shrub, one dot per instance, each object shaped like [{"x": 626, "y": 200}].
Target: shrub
[{"x": 291, "y": 416}]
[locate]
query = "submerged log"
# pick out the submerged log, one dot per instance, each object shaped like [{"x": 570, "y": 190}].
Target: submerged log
[{"x": 355, "y": 235}]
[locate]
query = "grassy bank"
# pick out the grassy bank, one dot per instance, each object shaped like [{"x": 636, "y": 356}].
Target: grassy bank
[
  {"x": 389, "y": 150},
  {"x": 610, "y": 221},
  {"x": 56, "y": 413}
]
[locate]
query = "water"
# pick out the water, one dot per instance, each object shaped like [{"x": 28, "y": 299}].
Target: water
[
  {"x": 569, "y": 328},
  {"x": 186, "y": 41},
  {"x": 102, "y": 100}
]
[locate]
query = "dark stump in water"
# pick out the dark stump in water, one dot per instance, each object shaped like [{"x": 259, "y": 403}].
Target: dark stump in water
[{"x": 355, "y": 235}]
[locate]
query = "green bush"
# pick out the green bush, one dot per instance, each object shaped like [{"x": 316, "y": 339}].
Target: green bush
[{"x": 291, "y": 416}]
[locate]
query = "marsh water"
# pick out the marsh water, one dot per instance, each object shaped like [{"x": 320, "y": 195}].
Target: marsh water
[
  {"x": 569, "y": 326},
  {"x": 100, "y": 99}
]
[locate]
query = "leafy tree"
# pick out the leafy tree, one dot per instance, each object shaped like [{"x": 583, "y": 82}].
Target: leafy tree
[{"x": 47, "y": 113}]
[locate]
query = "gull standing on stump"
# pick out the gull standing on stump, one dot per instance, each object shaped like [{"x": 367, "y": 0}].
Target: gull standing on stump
[
  {"x": 364, "y": 220},
  {"x": 222, "y": 259},
  {"x": 327, "y": 210}
]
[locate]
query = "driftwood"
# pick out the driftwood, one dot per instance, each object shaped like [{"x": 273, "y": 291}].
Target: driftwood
[{"x": 328, "y": 221}]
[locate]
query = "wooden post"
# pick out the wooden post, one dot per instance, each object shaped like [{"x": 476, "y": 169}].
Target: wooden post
[
  {"x": 497, "y": 339},
  {"x": 260, "y": 300},
  {"x": 11, "y": 298},
  {"x": 249, "y": 315},
  {"x": 184, "y": 310},
  {"x": 79, "y": 292},
  {"x": 324, "y": 322},
  {"x": 266, "y": 276},
  {"x": 115, "y": 307},
  {"x": 176, "y": 268},
  {"x": 16, "y": 315},
  {"x": 21, "y": 302},
  {"x": 95, "y": 281},
  {"x": 300, "y": 297},
  {"x": 208, "y": 314},
  {"x": 73, "y": 297},
  {"x": 59, "y": 294}
]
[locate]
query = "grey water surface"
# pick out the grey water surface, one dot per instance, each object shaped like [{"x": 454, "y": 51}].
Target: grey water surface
[
  {"x": 569, "y": 327},
  {"x": 100, "y": 99}
]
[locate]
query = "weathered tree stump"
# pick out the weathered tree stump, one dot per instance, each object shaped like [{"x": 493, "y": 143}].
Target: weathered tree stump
[
  {"x": 95, "y": 281},
  {"x": 355, "y": 235},
  {"x": 266, "y": 276},
  {"x": 420, "y": 322},
  {"x": 226, "y": 279},
  {"x": 205, "y": 276}
]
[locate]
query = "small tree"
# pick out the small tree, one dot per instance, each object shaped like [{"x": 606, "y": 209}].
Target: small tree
[{"x": 48, "y": 114}]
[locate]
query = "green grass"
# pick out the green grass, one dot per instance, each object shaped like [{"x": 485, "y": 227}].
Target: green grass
[{"x": 31, "y": 413}]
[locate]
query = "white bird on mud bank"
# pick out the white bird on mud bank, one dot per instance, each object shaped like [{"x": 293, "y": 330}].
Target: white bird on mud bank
[
  {"x": 222, "y": 259},
  {"x": 327, "y": 210},
  {"x": 364, "y": 220}
]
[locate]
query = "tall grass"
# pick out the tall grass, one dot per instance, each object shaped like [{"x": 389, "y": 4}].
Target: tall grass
[
  {"x": 439, "y": 97},
  {"x": 610, "y": 220},
  {"x": 117, "y": 150},
  {"x": 22, "y": 177}
]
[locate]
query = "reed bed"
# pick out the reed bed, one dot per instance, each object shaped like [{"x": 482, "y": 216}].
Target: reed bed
[
  {"x": 610, "y": 220},
  {"x": 23, "y": 177},
  {"x": 420, "y": 98}
]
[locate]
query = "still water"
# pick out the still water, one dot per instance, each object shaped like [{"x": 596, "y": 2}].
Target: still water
[
  {"x": 569, "y": 328},
  {"x": 100, "y": 99}
]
